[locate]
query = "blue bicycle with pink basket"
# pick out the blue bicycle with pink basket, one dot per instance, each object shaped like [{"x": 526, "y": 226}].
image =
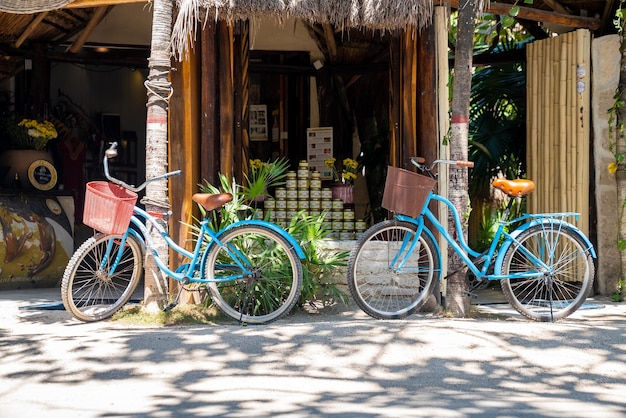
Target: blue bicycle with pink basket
[
  {"x": 544, "y": 266},
  {"x": 252, "y": 268}
]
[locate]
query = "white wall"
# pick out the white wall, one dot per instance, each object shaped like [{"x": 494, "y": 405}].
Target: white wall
[
  {"x": 269, "y": 35},
  {"x": 126, "y": 24}
]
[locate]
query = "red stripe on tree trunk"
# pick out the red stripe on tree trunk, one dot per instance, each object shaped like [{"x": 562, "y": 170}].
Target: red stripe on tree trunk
[
  {"x": 160, "y": 119},
  {"x": 460, "y": 119}
]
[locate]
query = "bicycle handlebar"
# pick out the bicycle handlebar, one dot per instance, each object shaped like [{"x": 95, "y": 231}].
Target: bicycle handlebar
[
  {"x": 420, "y": 163},
  {"x": 111, "y": 152}
]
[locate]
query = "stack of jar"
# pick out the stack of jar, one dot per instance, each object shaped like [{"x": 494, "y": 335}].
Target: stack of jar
[{"x": 303, "y": 192}]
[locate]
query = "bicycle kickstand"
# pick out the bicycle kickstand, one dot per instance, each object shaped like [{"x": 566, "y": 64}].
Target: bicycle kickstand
[
  {"x": 470, "y": 294},
  {"x": 174, "y": 303}
]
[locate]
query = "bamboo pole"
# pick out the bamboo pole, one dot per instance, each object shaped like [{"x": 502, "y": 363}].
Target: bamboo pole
[
  {"x": 584, "y": 48},
  {"x": 560, "y": 140},
  {"x": 549, "y": 121},
  {"x": 531, "y": 117},
  {"x": 441, "y": 40},
  {"x": 558, "y": 125},
  {"x": 536, "y": 122},
  {"x": 572, "y": 136}
]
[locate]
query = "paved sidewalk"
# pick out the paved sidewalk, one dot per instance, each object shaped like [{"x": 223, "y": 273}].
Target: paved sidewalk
[{"x": 337, "y": 363}]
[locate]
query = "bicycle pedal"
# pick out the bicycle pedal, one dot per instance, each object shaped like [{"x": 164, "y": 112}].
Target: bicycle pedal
[
  {"x": 471, "y": 295},
  {"x": 170, "y": 307}
]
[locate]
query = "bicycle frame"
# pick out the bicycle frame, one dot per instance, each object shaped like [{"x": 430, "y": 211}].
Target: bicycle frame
[
  {"x": 185, "y": 272},
  {"x": 496, "y": 250}
]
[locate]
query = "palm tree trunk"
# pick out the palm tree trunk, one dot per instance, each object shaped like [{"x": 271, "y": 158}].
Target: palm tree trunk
[
  {"x": 457, "y": 300},
  {"x": 158, "y": 86}
]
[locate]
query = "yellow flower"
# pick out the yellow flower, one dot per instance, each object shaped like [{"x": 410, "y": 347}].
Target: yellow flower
[
  {"x": 348, "y": 176},
  {"x": 330, "y": 163},
  {"x": 612, "y": 167},
  {"x": 350, "y": 163},
  {"x": 37, "y": 134},
  {"x": 256, "y": 164}
]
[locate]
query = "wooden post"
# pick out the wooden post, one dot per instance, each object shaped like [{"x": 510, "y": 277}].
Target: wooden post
[
  {"x": 426, "y": 111},
  {"x": 226, "y": 109},
  {"x": 209, "y": 105}
]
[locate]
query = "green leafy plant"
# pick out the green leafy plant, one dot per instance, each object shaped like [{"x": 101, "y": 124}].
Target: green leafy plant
[
  {"x": 618, "y": 295},
  {"x": 264, "y": 175},
  {"x": 617, "y": 131},
  {"x": 321, "y": 265}
]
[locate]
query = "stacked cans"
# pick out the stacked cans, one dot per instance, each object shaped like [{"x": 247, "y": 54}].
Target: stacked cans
[{"x": 303, "y": 192}]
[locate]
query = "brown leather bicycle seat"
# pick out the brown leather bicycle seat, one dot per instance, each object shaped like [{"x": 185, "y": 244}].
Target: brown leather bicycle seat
[
  {"x": 211, "y": 201},
  {"x": 518, "y": 187}
]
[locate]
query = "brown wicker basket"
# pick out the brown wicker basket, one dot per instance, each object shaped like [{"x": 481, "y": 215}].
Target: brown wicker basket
[{"x": 406, "y": 191}]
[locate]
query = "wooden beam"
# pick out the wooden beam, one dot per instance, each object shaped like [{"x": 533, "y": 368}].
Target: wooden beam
[
  {"x": 557, "y": 7},
  {"x": 91, "y": 25},
  {"x": 29, "y": 29},
  {"x": 78, "y": 4},
  {"x": 608, "y": 13},
  {"x": 537, "y": 15}
]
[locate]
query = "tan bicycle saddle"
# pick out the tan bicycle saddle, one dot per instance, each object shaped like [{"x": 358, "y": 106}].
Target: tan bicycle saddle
[
  {"x": 211, "y": 201},
  {"x": 518, "y": 187}
]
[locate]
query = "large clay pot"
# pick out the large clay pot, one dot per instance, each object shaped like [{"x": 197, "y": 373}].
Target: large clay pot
[{"x": 18, "y": 162}]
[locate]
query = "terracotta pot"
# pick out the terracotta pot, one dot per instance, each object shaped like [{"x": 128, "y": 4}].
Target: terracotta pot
[
  {"x": 343, "y": 192},
  {"x": 18, "y": 162}
]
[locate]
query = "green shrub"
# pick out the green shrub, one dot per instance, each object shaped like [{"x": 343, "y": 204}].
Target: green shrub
[{"x": 321, "y": 267}]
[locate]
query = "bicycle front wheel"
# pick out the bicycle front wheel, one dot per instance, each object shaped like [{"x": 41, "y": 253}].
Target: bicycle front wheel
[
  {"x": 391, "y": 271},
  {"x": 90, "y": 289},
  {"x": 554, "y": 295},
  {"x": 255, "y": 275}
]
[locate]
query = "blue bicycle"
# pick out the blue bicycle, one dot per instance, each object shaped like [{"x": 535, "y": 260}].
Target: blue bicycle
[
  {"x": 252, "y": 268},
  {"x": 544, "y": 266}
]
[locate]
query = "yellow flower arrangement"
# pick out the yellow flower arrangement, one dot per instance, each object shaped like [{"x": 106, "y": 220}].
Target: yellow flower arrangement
[
  {"x": 37, "y": 134},
  {"x": 348, "y": 174}
]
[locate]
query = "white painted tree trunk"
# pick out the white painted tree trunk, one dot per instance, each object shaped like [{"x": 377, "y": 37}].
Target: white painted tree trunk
[
  {"x": 457, "y": 300},
  {"x": 158, "y": 86}
]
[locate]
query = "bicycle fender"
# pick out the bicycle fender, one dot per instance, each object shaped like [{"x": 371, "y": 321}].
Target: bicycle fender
[
  {"x": 280, "y": 231},
  {"x": 518, "y": 231}
]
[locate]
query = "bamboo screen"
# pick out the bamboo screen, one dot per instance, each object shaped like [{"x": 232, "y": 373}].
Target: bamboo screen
[{"x": 557, "y": 155}]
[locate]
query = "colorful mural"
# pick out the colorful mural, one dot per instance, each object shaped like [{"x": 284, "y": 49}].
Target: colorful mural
[{"x": 36, "y": 239}]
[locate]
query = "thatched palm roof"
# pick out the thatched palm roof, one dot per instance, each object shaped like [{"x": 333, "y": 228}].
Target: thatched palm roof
[
  {"x": 373, "y": 14},
  {"x": 31, "y": 6}
]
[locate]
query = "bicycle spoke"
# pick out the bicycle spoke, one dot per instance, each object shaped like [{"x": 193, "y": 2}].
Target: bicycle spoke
[
  {"x": 561, "y": 289},
  {"x": 391, "y": 272}
]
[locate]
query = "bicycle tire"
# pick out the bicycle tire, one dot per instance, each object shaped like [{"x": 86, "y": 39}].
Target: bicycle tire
[
  {"x": 382, "y": 291},
  {"x": 276, "y": 281},
  {"x": 90, "y": 293},
  {"x": 549, "y": 298}
]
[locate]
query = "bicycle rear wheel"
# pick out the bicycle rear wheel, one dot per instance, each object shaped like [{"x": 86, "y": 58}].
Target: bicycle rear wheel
[
  {"x": 386, "y": 279},
  {"x": 271, "y": 284},
  {"x": 555, "y": 296},
  {"x": 90, "y": 290}
]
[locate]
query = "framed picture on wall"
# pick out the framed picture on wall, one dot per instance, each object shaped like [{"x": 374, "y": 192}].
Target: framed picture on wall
[{"x": 258, "y": 123}]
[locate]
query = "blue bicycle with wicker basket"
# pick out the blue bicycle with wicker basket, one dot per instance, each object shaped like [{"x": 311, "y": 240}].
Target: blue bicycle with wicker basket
[
  {"x": 544, "y": 265},
  {"x": 251, "y": 268}
]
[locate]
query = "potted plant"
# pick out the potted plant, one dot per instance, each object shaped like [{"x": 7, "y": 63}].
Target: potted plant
[{"x": 344, "y": 180}]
